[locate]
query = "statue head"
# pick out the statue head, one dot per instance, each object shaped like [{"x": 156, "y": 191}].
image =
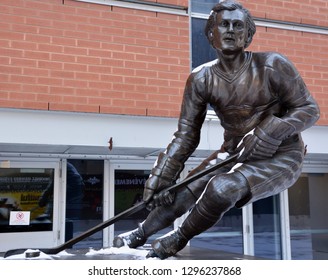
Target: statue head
[{"x": 229, "y": 5}]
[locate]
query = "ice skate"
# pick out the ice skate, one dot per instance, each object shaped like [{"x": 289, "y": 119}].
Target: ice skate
[
  {"x": 132, "y": 239},
  {"x": 168, "y": 245}
]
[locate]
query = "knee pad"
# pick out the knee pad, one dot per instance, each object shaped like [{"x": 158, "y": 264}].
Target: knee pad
[{"x": 226, "y": 188}]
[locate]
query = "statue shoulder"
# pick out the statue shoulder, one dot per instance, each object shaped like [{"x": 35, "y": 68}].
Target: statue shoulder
[
  {"x": 277, "y": 62},
  {"x": 201, "y": 70},
  {"x": 199, "y": 76}
]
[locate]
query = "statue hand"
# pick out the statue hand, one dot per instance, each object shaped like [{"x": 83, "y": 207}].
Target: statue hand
[
  {"x": 155, "y": 184},
  {"x": 257, "y": 147},
  {"x": 164, "y": 198}
]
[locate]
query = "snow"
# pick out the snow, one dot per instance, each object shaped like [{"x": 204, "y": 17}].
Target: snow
[
  {"x": 22, "y": 256},
  {"x": 125, "y": 250}
]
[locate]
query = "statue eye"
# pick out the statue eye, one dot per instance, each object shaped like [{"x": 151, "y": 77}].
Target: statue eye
[
  {"x": 239, "y": 25},
  {"x": 224, "y": 23}
]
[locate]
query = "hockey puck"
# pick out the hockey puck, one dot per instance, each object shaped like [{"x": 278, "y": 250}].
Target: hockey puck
[{"x": 32, "y": 254}]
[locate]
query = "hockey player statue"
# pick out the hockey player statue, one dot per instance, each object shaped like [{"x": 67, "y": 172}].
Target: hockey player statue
[{"x": 263, "y": 105}]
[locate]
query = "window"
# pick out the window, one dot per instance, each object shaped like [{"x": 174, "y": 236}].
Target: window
[
  {"x": 267, "y": 230},
  {"x": 202, "y": 52},
  {"x": 202, "y": 6},
  {"x": 26, "y": 189},
  {"x": 308, "y": 217}
]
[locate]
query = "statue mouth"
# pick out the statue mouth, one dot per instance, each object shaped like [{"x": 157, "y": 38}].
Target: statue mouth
[{"x": 228, "y": 39}]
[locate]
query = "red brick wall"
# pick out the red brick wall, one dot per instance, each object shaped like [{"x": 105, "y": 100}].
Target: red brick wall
[
  {"x": 313, "y": 12},
  {"x": 74, "y": 56},
  {"x": 91, "y": 58}
]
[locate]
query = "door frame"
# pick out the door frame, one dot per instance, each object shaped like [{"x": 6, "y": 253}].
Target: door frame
[{"x": 109, "y": 189}]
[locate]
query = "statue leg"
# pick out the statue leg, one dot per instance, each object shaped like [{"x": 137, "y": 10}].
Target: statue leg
[
  {"x": 158, "y": 219},
  {"x": 221, "y": 194},
  {"x": 163, "y": 216}
]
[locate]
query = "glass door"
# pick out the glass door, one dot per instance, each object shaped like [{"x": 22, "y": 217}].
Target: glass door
[
  {"x": 84, "y": 200},
  {"x": 126, "y": 189},
  {"x": 29, "y": 204}
]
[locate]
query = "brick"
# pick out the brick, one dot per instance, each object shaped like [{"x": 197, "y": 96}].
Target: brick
[
  {"x": 61, "y": 90},
  {"x": 135, "y": 111},
  {"x": 37, "y": 55},
  {"x": 11, "y": 104},
  {"x": 122, "y": 87},
  {"x": 63, "y": 41},
  {"x": 10, "y": 86},
  {"x": 86, "y": 108},
  {"x": 34, "y": 88},
  {"x": 62, "y": 74},
  {"x": 74, "y": 99},
  {"x": 25, "y": 62},
  {"x": 3, "y": 95},
  {"x": 50, "y": 48},
  {"x": 51, "y": 32},
  {"x": 11, "y": 70},
  {"x": 110, "y": 110},
  {"x": 78, "y": 84},
  {"x": 147, "y": 73},
  {"x": 147, "y": 89},
  {"x": 89, "y": 28},
  {"x": 87, "y": 60},
  {"x": 35, "y": 105},
  {"x": 35, "y": 71},
  {"x": 54, "y": 106},
  {"x": 22, "y": 79},
  {"x": 37, "y": 38},
  {"x": 50, "y": 64},
  {"x": 158, "y": 112},
  {"x": 100, "y": 85},
  {"x": 136, "y": 96},
  {"x": 38, "y": 21},
  {"x": 22, "y": 96},
  {"x": 87, "y": 76},
  {"x": 50, "y": 81},
  {"x": 9, "y": 35},
  {"x": 59, "y": 57}
]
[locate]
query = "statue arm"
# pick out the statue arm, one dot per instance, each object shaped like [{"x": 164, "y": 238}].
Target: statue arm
[
  {"x": 170, "y": 163},
  {"x": 302, "y": 110}
]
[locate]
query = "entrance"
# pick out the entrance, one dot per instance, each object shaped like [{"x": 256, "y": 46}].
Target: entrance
[
  {"x": 84, "y": 200},
  {"x": 128, "y": 180}
]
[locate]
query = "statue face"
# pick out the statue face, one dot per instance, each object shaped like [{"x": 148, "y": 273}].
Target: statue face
[{"x": 230, "y": 32}]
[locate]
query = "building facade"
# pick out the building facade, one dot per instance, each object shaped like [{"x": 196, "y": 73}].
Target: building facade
[{"x": 90, "y": 93}]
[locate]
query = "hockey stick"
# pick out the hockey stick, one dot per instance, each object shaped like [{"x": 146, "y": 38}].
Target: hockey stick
[{"x": 134, "y": 209}]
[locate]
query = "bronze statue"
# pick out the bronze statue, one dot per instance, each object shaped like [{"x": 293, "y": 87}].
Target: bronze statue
[{"x": 263, "y": 105}]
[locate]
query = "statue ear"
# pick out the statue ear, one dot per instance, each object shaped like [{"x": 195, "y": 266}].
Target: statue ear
[
  {"x": 248, "y": 40},
  {"x": 210, "y": 36}
]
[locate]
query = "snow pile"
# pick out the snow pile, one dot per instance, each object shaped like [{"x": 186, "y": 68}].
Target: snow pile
[
  {"x": 125, "y": 250},
  {"x": 140, "y": 254}
]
